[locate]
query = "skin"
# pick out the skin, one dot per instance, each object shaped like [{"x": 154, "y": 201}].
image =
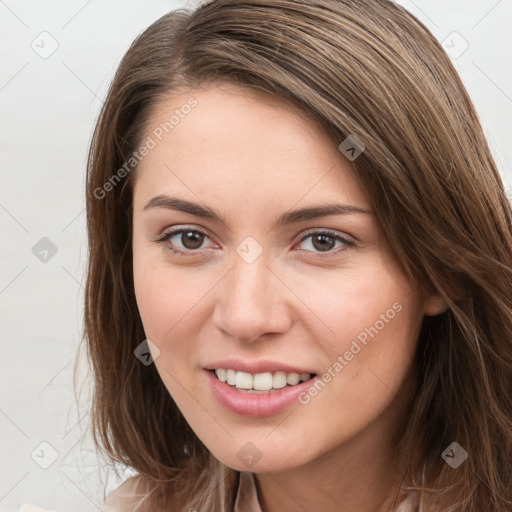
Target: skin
[{"x": 251, "y": 157}]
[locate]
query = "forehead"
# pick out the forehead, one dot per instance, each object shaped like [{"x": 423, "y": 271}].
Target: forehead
[{"x": 244, "y": 144}]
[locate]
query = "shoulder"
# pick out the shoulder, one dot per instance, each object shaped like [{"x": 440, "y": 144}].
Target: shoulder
[
  {"x": 132, "y": 496},
  {"x": 409, "y": 504},
  {"x": 126, "y": 497}
]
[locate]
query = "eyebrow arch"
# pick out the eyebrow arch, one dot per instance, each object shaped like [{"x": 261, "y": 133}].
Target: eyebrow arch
[{"x": 286, "y": 218}]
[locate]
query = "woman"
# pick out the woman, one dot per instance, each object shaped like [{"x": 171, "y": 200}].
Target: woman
[{"x": 300, "y": 263}]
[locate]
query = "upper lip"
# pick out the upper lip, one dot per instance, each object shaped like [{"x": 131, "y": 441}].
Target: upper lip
[{"x": 255, "y": 367}]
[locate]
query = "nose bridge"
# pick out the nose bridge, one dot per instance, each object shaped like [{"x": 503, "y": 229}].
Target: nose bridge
[
  {"x": 250, "y": 280},
  {"x": 251, "y": 300}
]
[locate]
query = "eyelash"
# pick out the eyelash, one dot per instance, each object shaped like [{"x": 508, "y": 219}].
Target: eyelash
[{"x": 167, "y": 236}]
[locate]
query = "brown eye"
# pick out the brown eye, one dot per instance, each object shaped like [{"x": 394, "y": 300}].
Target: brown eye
[
  {"x": 191, "y": 239},
  {"x": 325, "y": 242},
  {"x": 183, "y": 241}
]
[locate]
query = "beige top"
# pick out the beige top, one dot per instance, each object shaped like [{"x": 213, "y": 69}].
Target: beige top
[
  {"x": 247, "y": 497},
  {"x": 122, "y": 499}
]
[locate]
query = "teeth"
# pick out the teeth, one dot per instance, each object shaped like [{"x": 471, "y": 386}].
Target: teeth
[
  {"x": 294, "y": 378},
  {"x": 230, "y": 377},
  {"x": 243, "y": 380},
  {"x": 260, "y": 381},
  {"x": 279, "y": 380},
  {"x": 221, "y": 374}
]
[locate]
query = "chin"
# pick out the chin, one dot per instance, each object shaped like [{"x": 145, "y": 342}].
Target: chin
[{"x": 259, "y": 458}]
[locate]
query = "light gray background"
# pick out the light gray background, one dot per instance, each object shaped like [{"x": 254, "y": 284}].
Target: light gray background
[{"x": 48, "y": 107}]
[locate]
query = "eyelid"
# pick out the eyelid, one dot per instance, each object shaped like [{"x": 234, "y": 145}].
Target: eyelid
[
  {"x": 348, "y": 240},
  {"x": 332, "y": 232},
  {"x": 169, "y": 233}
]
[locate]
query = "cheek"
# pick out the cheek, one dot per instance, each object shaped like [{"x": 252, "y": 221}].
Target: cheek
[
  {"x": 362, "y": 305},
  {"x": 165, "y": 296},
  {"x": 171, "y": 303},
  {"x": 376, "y": 319},
  {"x": 154, "y": 301},
  {"x": 164, "y": 311}
]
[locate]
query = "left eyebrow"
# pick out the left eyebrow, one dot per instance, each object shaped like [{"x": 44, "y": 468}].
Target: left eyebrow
[
  {"x": 315, "y": 212},
  {"x": 286, "y": 218}
]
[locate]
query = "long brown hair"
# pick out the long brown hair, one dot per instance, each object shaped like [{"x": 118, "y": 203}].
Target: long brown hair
[{"x": 367, "y": 68}]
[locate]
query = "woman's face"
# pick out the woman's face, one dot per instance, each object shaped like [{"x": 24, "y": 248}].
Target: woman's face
[{"x": 265, "y": 289}]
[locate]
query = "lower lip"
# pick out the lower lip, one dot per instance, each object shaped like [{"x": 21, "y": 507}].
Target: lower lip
[{"x": 256, "y": 405}]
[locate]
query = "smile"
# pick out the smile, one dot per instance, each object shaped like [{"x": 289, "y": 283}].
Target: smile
[
  {"x": 259, "y": 382},
  {"x": 257, "y": 395}
]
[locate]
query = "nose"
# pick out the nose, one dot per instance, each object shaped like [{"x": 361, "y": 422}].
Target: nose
[{"x": 252, "y": 301}]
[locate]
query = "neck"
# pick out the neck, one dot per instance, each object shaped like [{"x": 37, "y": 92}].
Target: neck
[{"x": 358, "y": 475}]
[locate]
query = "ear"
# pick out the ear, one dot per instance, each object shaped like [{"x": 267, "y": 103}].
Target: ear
[{"x": 434, "y": 305}]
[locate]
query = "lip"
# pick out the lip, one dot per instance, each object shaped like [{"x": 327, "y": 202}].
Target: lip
[
  {"x": 256, "y": 405},
  {"x": 254, "y": 367}
]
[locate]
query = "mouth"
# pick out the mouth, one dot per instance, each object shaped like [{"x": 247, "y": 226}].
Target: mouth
[
  {"x": 260, "y": 383},
  {"x": 270, "y": 390}
]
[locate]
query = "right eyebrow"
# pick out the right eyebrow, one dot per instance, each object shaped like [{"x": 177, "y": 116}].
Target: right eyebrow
[
  {"x": 286, "y": 218},
  {"x": 174, "y": 203}
]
